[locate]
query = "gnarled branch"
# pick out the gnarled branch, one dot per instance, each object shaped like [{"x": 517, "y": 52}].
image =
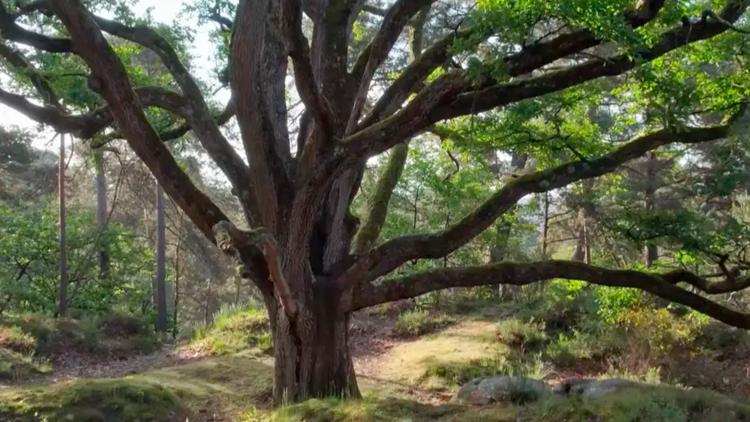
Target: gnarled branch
[
  {"x": 395, "y": 252},
  {"x": 527, "y": 273}
]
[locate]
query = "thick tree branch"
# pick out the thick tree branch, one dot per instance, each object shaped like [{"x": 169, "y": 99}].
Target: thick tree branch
[
  {"x": 199, "y": 116},
  {"x": 532, "y": 57},
  {"x": 731, "y": 282},
  {"x": 536, "y": 55},
  {"x": 19, "y": 62},
  {"x": 452, "y": 96},
  {"x": 258, "y": 68},
  {"x": 10, "y": 30},
  {"x": 394, "y": 253},
  {"x": 527, "y": 273},
  {"x": 128, "y": 113},
  {"x": 299, "y": 51},
  {"x": 377, "y": 51},
  {"x": 378, "y": 206}
]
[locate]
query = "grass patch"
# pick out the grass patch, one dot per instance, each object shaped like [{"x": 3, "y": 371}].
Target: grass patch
[
  {"x": 15, "y": 366},
  {"x": 225, "y": 386},
  {"x": 414, "y": 323},
  {"x": 235, "y": 330},
  {"x": 96, "y": 400},
  {"x": 408, "y": 362},
  {"x": 377, "y": 409},
  {"x": 14, "y": 339}
]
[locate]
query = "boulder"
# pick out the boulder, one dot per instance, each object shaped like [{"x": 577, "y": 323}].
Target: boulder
[{"x": 482, "y": 391}]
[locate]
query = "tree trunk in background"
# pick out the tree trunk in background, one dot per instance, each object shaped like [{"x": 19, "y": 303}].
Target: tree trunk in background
[
  {"x": 545, "y": 224},
  {"x": 176, "y": 304},
  {"x": 101, "y": 210},
  {"x": 161, "y": 268},
  {"x": 650, "y": 253},
  {"x": 62, "y": 304}
]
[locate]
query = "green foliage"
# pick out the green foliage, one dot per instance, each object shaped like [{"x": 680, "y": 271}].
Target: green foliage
[
  {"x": 16, "y": 366},
  {"x": 613, "y": 302},
  {"x": 38, "y": 337},
  {"x": 419, "y": 322},
  {"x": 29, "y": 270},
  {"x": 15, "y": 339},
  {"x": 524, "y": 336},
  {"x": 234, "y": 329}
]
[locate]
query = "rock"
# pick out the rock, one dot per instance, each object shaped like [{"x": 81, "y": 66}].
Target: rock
[
  {"x": 592, "y": 388},
  {"x": 482, "y": 391}
]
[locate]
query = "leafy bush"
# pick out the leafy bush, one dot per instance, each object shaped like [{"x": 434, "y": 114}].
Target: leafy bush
[
  {"x": 235, "y": 329},
  {"x": 563, "y": 304},
  {"x": 47, "y": 337},
  {"x": 567, "y": 349},
  {"x": 525, "y": 336},
  {"x": 14, "y": 339},
  {"x": 16, "y": 366},
  {"x": 28, "y": 277},
  {"x": 419, "y": 322},
  {"x": 614, "y": 301}
]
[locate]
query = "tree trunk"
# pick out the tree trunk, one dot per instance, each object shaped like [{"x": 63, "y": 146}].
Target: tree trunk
[
  {"x": 161, "y": 270},
  {"x": 312, "y": 356},
  {"x": 650, "y": 252},
  {"x": 62, "y": 306},
  {"x": 101, "y": 209}
]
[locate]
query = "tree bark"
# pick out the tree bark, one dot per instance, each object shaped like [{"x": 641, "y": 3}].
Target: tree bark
[
  {"x": 650, "y": 252},
  {"x": 101, "y": 209},
  {"x": 312, "y": 354}
]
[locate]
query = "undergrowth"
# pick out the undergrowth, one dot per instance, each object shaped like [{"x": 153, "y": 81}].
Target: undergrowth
[{"x": 234, "y": 329}]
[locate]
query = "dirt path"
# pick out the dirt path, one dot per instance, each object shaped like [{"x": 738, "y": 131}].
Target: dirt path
[{"x": 73, "y": 365}]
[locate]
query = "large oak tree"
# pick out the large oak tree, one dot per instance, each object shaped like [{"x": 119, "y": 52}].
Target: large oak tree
[{"x": 298, "y": 241}]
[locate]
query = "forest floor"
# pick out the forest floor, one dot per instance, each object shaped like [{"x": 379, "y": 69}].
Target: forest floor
[{"x": 402, "y": 378}]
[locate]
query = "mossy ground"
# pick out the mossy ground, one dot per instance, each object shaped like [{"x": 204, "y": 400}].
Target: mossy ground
[
  {"x": 643, "y": 403},
  {"x": 410, "y": 382},
  {"x": 234, "y": 330},
  {"x": 213, "y": 387}
]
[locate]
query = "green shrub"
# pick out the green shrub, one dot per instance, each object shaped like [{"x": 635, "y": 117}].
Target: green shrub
[
  {"x": 520, "y": 335},
  {"x": 614, "y": 301},
  {"x": 14, "y": 339},
  {"x": 563, "y": 305},
  {"x": 15, "y": 366},
  {"x": 419, "y": 322}
]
